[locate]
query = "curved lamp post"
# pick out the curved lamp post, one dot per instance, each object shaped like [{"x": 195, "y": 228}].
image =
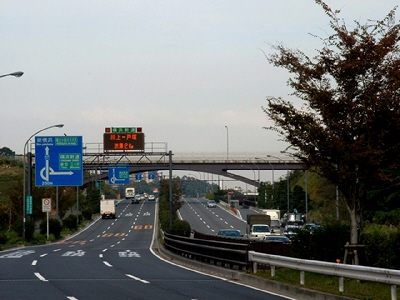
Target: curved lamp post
[
  {"x": 24, "y": 193},
  {"x": 306, "y": 183},
  {"x": 254, "y": 173},
  {"x": 287, "y": 179},
  {"x": 227, "y": 142},
  {"x": 15, "y": 74}
]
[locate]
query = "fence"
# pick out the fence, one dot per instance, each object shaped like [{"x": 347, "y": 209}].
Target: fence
[{"x": 388, "y": 276}]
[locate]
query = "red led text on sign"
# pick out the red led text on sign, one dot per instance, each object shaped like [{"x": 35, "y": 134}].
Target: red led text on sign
[{"x": 123, "y": 141}]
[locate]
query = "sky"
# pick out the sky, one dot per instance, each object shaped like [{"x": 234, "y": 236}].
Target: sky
[{"x": 193, "y": 74}]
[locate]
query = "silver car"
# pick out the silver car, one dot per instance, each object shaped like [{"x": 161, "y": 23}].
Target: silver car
[{"x": 211, "y": 203}]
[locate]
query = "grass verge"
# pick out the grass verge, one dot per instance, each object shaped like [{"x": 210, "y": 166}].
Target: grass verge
[{"x": 364, "y": 290}]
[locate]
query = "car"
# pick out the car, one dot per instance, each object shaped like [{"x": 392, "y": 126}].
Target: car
[
  {"x": 229, "y": 232},
  {"x": 313, "y": 228},
  {"x": 276, "y": 239},
  {"x": 211, "y": 203},
  {"x": 152, "y": 198}
]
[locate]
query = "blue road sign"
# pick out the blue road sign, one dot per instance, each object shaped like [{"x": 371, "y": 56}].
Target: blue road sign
[
  {"x": 118, "y": 174},
  {"x": 152, "y": 175},
  {"x": 139, "y": 176},
  {"x": 58, "y": 161}
]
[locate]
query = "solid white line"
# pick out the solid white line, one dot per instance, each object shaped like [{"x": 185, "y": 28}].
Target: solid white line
[
  {"x": 34, "y": 263},
  {"x": 136, "y": 278},
  {"x": 40, "y": 277},
  {"x": 107, "y": 264}
]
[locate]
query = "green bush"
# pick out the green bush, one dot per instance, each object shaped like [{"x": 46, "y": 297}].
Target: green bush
[
  {"x": 3, "y": 238},
  {"x": 326, "y": 245},
  {"x": 87, "y": 214},
  {"x": 29, "y": 228},
  {"x": 180, "y": 227},
  {"x": 38, "y": 238},
  {"x": 382, "y": 244},
  {"x": 54, "y": 227},
  {"x": 70, "y": 222}
]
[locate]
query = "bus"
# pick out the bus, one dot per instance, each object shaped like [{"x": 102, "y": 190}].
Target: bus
[{"x": 130, "y": 193}]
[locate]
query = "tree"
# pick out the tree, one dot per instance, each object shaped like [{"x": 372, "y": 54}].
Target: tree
[
  {"x": 165, "y": 204},
  {"x": 348, "y": 127},
  {"x": 6, "y": 152}
]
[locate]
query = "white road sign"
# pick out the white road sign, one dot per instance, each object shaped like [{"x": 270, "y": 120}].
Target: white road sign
[{"x": 46, "y": 205}]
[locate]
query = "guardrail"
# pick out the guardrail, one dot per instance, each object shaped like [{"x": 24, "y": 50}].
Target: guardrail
[
  {"x": 388, "y": 276},
  {"x": 228, "y": 252}
]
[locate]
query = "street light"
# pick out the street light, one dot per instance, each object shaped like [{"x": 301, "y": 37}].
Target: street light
[
  {"x": 273, "y": 181},
  {"x": 30, "y": 179},
  {"x": 306, "y": 183},
  {"x": 254, "y": 173},
  {"x": 227, "y": 142},
  {"x": 287, "y": 179},
  {"x": 15, "y": 74}
]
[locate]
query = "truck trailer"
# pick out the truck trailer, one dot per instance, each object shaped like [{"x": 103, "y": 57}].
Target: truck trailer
[
  {"x": 276, "y": 224},
  {"x": 107, "y": 209}
]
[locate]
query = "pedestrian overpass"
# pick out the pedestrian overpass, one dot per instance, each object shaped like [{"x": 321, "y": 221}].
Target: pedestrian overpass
[{"x": 155, "y": 157}]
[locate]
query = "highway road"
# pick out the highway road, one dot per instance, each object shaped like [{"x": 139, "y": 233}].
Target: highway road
[
  {"x": 112, "y": 259},
  {"x": 210, "y": 220}
]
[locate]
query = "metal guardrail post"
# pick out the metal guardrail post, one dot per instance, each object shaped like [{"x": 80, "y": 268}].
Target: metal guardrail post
[{"x": 387, "y": 276}]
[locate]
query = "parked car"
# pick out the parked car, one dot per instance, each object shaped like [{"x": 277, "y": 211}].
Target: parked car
[
  {"x": 277, "y": 239},
  {"x": 229, "y": 232},
  {"x": 211, "y": 203}
]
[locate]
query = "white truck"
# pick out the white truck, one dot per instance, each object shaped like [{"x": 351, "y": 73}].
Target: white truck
[
  {"x": 258, "y": 226},
  {"x": 275, "y": 215},
  {"x": 107, "y": 209}
]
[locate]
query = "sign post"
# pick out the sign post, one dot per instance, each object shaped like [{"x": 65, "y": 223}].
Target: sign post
[{"x": 46, "y": 207}]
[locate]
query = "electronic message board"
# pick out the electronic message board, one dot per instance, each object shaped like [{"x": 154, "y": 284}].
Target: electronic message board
[{"x": 123, "y": 141}]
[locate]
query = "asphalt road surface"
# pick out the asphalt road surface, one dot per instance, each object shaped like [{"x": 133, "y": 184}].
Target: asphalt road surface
[{"x": 112, "y": 259}]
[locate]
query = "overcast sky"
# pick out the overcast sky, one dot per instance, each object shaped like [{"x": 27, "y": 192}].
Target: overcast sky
[{"x": 181, "y": 70}]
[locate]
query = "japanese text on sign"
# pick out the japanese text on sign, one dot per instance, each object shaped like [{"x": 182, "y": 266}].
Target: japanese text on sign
[{"x": 121, "y": 141}]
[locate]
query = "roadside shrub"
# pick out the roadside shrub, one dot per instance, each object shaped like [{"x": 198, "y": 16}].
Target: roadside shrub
[
  {"x": 54, "y": 227},
  {"x": 29, "y": 228},
  {"x": 87, "y": 214},
  {"x": 381, "y": 239},
  {"x": 180, "y": 227},
  {"x": 70, "y": 222},
  {"x": 3, "y": 238},
  {"x": 38, "y": 238},
  {"x": 326, "y": 245}
]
